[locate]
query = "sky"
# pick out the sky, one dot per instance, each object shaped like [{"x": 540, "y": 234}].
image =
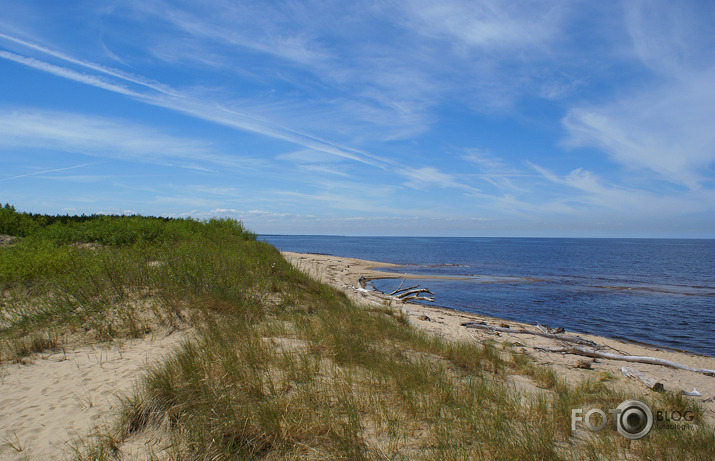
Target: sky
[{"x": 409, "y": 117}]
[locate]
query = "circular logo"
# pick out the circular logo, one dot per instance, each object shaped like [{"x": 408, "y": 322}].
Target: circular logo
[{"x": 635, "y": 419}]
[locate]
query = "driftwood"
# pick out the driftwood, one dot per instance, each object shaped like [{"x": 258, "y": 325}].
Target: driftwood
[
  {"x": 546, "y": 329},
  {"x": 642, "y": 377},
  {"x": 559, "y": 337},
  {"x": 593, "y": 351},
  {"x": 412, "y": 293},
  {"x": 630, "y": 358},
  {"x": 417, "y": 298},
  {"x": 399, "y": 288}
]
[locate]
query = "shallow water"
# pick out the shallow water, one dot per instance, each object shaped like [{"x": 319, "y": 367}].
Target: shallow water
[{"x": 655, "y": 291}]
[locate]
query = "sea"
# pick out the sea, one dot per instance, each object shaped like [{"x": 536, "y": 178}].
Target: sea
[{"x": 654, "y": 291}]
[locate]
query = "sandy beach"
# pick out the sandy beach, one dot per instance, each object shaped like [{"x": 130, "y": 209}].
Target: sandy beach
[
  {"x": 350, "y": 275},
  {"x": 58, "y": 398}
]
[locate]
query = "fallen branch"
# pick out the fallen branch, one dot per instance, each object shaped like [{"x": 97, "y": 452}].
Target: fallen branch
[
  {"x": 642, "y": 377},
  {"x": 398, "y": 288},
  {"x": 548, "y": 330},
  {"x": 578, "y": 350},
  {"x": 415, "y": 292},
  {"x": 417, "y": 298},
  {"x": 566, "y": 338}
]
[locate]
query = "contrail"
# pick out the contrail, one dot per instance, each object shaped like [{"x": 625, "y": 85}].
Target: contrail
[{"x": 51, "y": 171}]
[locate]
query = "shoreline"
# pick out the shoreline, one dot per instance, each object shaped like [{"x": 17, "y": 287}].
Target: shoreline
[
  {"x": 350, "y": 274},
  {"x": 368, "y": 272},
  {"x": 634, "y": 342}
]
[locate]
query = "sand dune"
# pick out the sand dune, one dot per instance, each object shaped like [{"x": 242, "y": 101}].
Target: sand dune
[{"x": 59, "y": 397}]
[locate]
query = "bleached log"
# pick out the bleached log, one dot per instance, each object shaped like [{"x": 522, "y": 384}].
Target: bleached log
[
  {"x": 578, "y": 350},
  {"x": 559, "y": 337},
  {"x": 400, "y": 291},
  {"x": 417, "y": 298},
  {"x": 642, "y": 377},
  {"x": 548, "y": 330},
  {"x": 410, "y": 293}
]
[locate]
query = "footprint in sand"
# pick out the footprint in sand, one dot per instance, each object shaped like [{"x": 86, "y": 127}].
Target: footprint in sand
[{"x": 46, "y": 404}]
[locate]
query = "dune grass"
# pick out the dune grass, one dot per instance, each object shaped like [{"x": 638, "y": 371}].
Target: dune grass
[
  {"x": 283, "y": 367},
  {"x": 106, "y": 277}
]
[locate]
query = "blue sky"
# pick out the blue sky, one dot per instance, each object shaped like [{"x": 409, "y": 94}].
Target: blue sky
[{"x": 413, "y": 117}]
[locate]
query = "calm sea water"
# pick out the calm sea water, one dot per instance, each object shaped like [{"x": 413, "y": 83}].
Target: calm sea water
[{"x": 654, "y": 291}]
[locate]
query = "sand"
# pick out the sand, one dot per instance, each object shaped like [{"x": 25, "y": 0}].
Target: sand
[
  {"x": 58, "y": 398},
  {"x": 350, "y": 274}
]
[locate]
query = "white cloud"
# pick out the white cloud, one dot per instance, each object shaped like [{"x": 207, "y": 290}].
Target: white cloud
[
  {"x": 387, "y": 65},
  {"x": 312, "y": 161},
  {"x": 362, "y": 81},
  {"x": 307, "y": 156},
  {"x": 591, "y": 196},
  {"x": 244, "y": 118},
  {"x": 231, "y": 212},
  {"x": 425, "y": 177},
  {"x": 492, "y": 25},
  {"x": 671, "y": 38},
  {"x": 485, "y": 160},
  {"x": 86, "y": 64},
  {"x": 667, "y": 130},
  {"x": 496, "y": 171},
  {"x": 108, "y": 138},
  {"x": 666, "y": 124},
  {"x": 67, "y": 73}
]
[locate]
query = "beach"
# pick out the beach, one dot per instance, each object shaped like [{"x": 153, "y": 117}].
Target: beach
[
  {"x": 54, "y": 400},
  {"x": 350, "y": 275}
]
